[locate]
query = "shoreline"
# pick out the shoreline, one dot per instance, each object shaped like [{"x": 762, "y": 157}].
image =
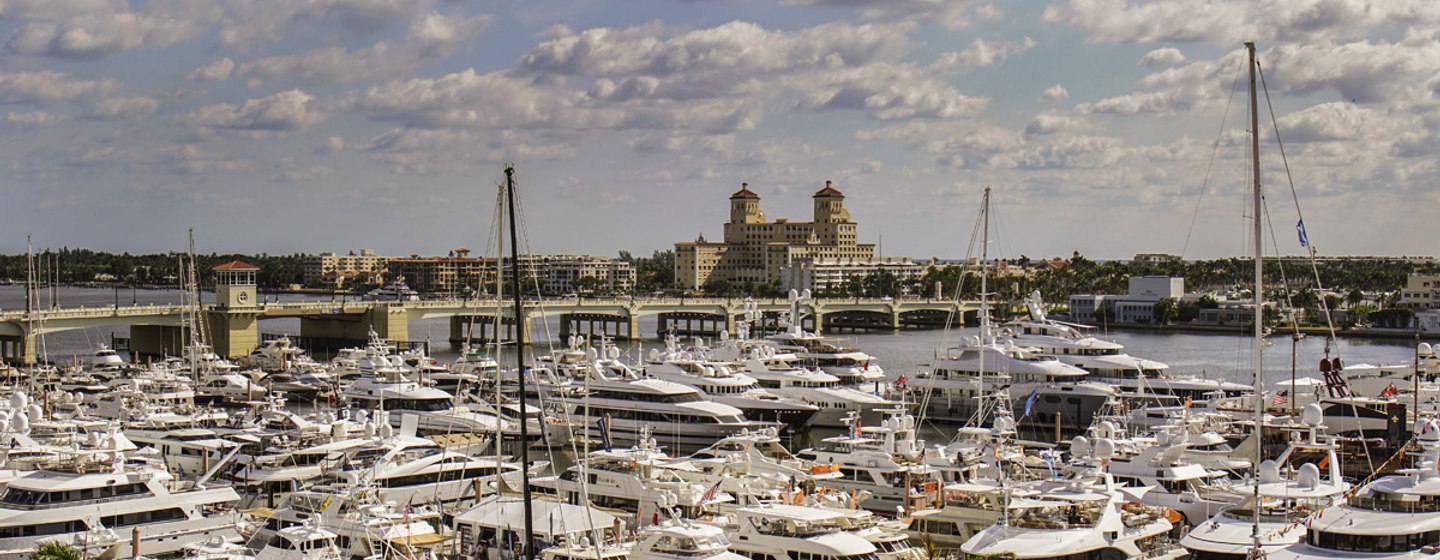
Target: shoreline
[{"x": 1388, "y": 334}]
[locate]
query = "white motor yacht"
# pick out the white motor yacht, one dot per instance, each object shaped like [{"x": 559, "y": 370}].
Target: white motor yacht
[
  {"x": 790, "y": 532},
  {"x": 880, "y": 464},
  {"x": 394, "y": 291},
  {"x": 1393, "y": 517},
  {"x": 95, "y": 501},
  {"x": 1290, "y": 489},
  {"x": 722, "y": 384}
]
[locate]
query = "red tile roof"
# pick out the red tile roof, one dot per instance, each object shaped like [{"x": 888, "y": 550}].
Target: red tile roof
[{"x": 236, "y": 265}]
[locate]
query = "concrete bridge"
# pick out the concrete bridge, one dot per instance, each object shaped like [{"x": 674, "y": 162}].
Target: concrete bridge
[{"x": 234, "y": 331}]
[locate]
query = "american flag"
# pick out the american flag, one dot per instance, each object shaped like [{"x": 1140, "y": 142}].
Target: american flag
[
  {"x": 710, "y": 494},
  {"x": 1280, "y": 399}
]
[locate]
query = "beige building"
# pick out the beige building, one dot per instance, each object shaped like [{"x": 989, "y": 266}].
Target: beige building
[
  {"x": 823, "y": 275},
  {"x": 560, "y": 274},
  {"x": 449, "y": 275},
  {"x": 338, "y": 271},
  {"x": 1422, "y": 291},
  {"x": 755, "y": 250}
]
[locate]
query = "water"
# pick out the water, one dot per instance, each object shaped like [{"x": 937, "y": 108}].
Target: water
[{"x": 1216, "y": 355}]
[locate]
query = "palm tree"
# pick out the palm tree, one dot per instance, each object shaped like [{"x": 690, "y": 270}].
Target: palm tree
[{"x": 54, "y": 550}]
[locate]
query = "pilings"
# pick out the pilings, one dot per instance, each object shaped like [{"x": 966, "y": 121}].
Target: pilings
[{"x": 483, "y": 329}]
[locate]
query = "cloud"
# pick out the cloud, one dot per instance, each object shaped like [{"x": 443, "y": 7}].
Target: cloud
[
  {"x": 331, "y": 145},
  {"x": 33, "y": 119},
  {"x": 431, "y": 37},
  {"x": 217, "y": 70},
  {"x": 951, "y": 14},
  {"x": 46, "y": 85},
  {"x": 471, "y": 99},
  {"x": 1229, "y": 22},
  {"x": 1056, "y": 92},
  {"x": 1052, "y": 123},
  {"x": 980, "y": 54},
  {"x": 101, "y": 35},
  {"x": 284, "y": 111},
  {"x": 1324, "y": 122},
  {"x": 1168, "y": 56},
  {"x": 1136, "y": 103},
  {"x": 190, "y": 159},
  {"x": 123, "y": 108},
  {"x": 301, "y": 175},
  {"x": 410, "y": 151}
]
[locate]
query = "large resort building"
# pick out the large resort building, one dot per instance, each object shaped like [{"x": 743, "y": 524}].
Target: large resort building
[{"x": 760, "y": 252}]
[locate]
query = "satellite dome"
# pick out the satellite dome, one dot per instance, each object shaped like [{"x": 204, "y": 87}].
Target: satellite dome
[
  {"x": 1269, "y": 471},
  {"x": 1309, "y": 475},
  {"x": 1079, "y": 447}
]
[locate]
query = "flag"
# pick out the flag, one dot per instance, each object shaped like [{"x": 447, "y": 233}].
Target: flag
[
  {"x": 1389, "y": 391},
  {"x": 1300, "y": 228},
  {"x": 903, "y": 380},
  {"x": 710, "y": 494},
  {"x": 604, "y": 426},
  {"x": 1280, "y": 399},
  {"x": 1030, "y": 401}
]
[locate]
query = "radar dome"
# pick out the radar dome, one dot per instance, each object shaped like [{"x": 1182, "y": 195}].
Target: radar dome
[
  {"x": 1425, "y": 349},
  {"x": 1269, "y": 471},
  {"x": 1313, "y": 416},
  {"x": 1309, "y": 475},
  {"x": 1006, "y": 424},
  {"x": 1105, "y": 448},
  {"x": 1079, "y": 447},
  {"x": 1427, "y": 430}
]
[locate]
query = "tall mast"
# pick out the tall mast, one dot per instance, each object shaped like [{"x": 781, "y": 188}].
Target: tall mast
[
  {"x": 520, "y": 364},
  {"x": 984, "y": 295},
  {"x": 1259, "y": 361}
]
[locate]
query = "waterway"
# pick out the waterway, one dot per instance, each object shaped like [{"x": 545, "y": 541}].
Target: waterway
[{"x": 1218, "y": 355}]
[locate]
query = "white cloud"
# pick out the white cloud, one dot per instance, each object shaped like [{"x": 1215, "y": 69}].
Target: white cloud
[
  {"x": 980, "y": 54},
  {"x": 1168, "y": 56},
  {"x": 1137, "y": 103},
  {"x": 1325, "y": 122},
  {"x": 216, "y": 70},
  {"x": 331, "y": 145},
  {"x": 951, "y": 14},
  {"x": 431, "y": 37},
  {"x": 1052, "y": 123},
  {"x": 123, "y": 108},
  {"x": 1056, "y": 92},
  {"x": 190, "y": 159},
  {"x": 33, "y": 119},
  {"x": 301, "y": 175},
  {"x": 101, "y": 35},
  {"x": 45, "y": 85},
  {"x": 1229, "y": 22},
  {"x": 284, "y": 111}
]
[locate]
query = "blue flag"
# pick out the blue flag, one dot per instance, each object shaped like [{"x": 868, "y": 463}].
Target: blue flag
[
  {"x": 604, "y": 432},
  {"x": 1030, "y": 401},
  {"x": 1304, "y": 239}
]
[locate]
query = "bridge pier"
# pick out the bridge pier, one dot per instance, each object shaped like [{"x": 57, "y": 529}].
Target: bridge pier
[
  {"x": 616, "y": 327},
  {"x": 157, "y": 341},
  {"x": 482, "y": 329},
  {"x": 687, "y": 324},
  {"x": 18, "y": 350},
  {"x": 388, "y": 321}
]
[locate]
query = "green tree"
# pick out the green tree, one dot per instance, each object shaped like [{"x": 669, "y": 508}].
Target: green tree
[
  {"x": 53, "y": 550},
  {"x": 1165, "y": 311},
  {"x": 589, "y": 285},
  {"x": 719, "y": 287}
]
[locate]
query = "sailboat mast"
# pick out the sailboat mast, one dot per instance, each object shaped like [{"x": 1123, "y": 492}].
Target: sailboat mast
[
  {"x": 1259, "y": 361},
  {"x": 984, "y": 295},
  {"x": 520, "y": 364}
]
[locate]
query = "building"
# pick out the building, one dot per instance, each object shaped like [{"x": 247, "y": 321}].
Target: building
[
  {"x": 1155, "y": 258},
  {"x": 1422, "y": 291},
  {"x": 822, "y": 275},
  {"x": 456, "y": 275},
  {"x": 756, "y": 250},
  {"x": 562, "y": 274},
  {"x": 339, "y": 271},
  {"x": 1138, "y": 306}
]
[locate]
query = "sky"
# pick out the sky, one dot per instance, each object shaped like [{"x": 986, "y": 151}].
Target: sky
[{"x": 1108, "y": 127}]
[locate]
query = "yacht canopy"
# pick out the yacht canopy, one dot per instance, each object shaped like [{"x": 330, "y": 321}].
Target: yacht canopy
[{"x": 549, "y": 518}]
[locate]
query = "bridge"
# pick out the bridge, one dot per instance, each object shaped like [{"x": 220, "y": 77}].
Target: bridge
[{"x": 233, "y": 331}]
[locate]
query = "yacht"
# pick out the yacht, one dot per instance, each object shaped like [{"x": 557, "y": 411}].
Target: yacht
[
  {"x": 1192, "y": 491},
  {"x": 1393, "y": 517},
  {"x": 779, "y": 372},
  {"x": 394, "y": 291},
  {"x": 1289, "y": 489},
  {"x": 364, "y": 526},
  {"x": 621, "y": 404},
  {"x": 394, "y": 389},
  {"x": 632, "y": 481},
  {"x": 853, "y": 367},
  {"x": 721, "y": 384},
  {"x": 1081, "y": 517},
  {"x": 1077, "y": 345},
  {"x": 106, "y": 361},
  {"x": 99, "y": 502},
  {"x": 885, "y": 467},
  {"x": 790, "y": 532}
]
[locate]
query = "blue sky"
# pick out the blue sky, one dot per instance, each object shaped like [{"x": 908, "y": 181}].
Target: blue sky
[{"x": 330, "y": 125}]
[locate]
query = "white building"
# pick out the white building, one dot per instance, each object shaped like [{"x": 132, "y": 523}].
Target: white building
[
  {"x": 821, "y": 275},
  {"x": 560, "y": 274},
  {"x": 1138, "y": 306},
  {"x": 330, "y": 269},
  {"x": 1422, "y": 291}
]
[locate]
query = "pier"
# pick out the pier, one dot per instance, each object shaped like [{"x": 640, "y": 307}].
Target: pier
[{"x": 233, "y": 326}]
